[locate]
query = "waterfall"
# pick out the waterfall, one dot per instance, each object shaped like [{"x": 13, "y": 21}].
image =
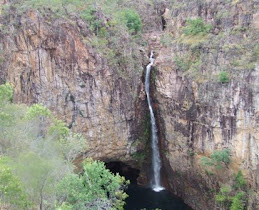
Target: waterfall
[{"x": 156, "y": 161}]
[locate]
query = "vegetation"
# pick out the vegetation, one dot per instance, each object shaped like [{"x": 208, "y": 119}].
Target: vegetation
[
  {"x": 36, "y": 162},
  {"x": 131, "y": 19},
  {"x": 196, "y": 26},
  {"x": 115, "y": 25},
  {"x": 239, "y": 182},
  {"x": 217, "y": 159},
  {"x": 6, "y": 93},
  {"x": 233, "y": 198},
  {"x": 189, "y": 62},
  {"x": 96, "y": 188},
  {"x": 223, "y": 77},
  {"x": 182, "y": 63},
  {"x": 11, "y": 190}
]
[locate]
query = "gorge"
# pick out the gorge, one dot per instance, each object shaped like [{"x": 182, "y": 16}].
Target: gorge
[{"x": 89, "y": 70}]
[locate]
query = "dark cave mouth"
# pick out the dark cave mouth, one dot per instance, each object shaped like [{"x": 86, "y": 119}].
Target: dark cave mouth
[
  {"x": 123, "y": 169},
  {"x": 143, "y": 197}
]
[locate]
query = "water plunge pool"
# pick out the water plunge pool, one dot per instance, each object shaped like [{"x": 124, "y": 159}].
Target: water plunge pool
[{"x": 143, "y": 197}]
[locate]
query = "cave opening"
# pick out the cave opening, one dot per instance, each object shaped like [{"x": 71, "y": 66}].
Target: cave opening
[
  {"x": 123, "y": 169},
  {"x": 163, "y": 23}
]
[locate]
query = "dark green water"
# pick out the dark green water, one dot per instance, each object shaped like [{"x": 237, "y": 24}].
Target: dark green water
[{"x": 145, "y": 198}]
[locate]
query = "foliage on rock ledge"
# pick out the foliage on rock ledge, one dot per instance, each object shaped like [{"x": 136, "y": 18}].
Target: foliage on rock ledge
[
  {"x": 115, "y": 27},
  {"x": 235, "y": 197}
]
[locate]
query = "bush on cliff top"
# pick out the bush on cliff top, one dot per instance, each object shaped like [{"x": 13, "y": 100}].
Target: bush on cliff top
[{"x": 196, "y": 26}]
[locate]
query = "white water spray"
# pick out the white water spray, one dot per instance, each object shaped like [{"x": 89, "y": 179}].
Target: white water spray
[{"x": 156, "y": 161}]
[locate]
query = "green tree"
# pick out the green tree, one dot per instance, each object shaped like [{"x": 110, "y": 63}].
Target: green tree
[
  {"x": 196, "y": 26},
  {"x": 95, "y": 188},
  {"x": 41, "y": 150},
  {"x": 223, "y": 196},
  {"x": 11, "y": 189},
  {"x": 37, "y": 111},
  {"x": 131, "y": 19},
  {"x": 40, "y": 176},
  {"x": 58, "y": 128},
  {"x": 224, "y": 77},
  {"x": 217, "y": 158},
  {"x": 221, "y": 156},
  {"x": 6, "y": 92},
  {"x": 238, "y": 201},
  {"x": 239, "y": 182}
]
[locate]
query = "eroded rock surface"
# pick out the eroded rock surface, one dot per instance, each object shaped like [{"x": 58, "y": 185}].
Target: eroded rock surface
[
  {"x": 198, "y": 113},
  {"x": 51, "y": 63}
]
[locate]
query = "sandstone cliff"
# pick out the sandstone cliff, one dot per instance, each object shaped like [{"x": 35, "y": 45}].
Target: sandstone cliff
[
  {"x": 51, "y": 61},
  {"x": 200, "y": 113}
]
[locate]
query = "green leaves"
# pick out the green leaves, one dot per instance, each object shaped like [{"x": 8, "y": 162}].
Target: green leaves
[
  {"x": 196, "y": 26},
  {"x": 58, "y": 128},
  {"x": 95, "y": 187},
  {"x": 239, "y": 182},
  {"x": 216, "y": 159},
  {"x": 223, "y": 195},
  {"x": 11, "y": 190},
  {"x": 224, "y": 77},
  {"x": 40, "y": 149},
  {"x": 233, "y": 198},
  {"x": 131, "y": 19},
  {"x": 39, "y": 170},
  {"x": 37, "y": 111},
  {"x": 238, "y": 201},
  {"x": 221, "y": 156},
  {"x": 6, "y": 93}
]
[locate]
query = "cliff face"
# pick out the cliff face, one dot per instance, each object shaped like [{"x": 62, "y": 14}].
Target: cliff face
[
  {"x": 51, "y": 63},
  {"x": 198, "y": 111}
]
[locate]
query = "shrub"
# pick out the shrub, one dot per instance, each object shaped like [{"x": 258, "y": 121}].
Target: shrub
[
  {"x": 221, "y": 156},
  {"x": 238, "y": 201},
  {"x": 11, "y": 189},
  {"x": 6, "y": 92},
  {"x": 216, "y": 159},
  {"x": 89, "y": 16},
  {"x": 182, "y": 63},
  {"x": 131, "y": 19},
  {"x": 231, "y": 198},
  {"x": 239, "y": 182},
  {"x": 36, "y": 111},
  {"x": 196, "y": 26},
  {"x": 206, "y": 161},
  {"x": 223, "y": 195},
  {"x": 166, "y": 39},
  {"x": 223, "y": 77},
  {"x": 95, "y": 188}
]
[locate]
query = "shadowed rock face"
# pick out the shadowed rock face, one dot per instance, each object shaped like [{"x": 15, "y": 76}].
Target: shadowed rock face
[
  {"x": 199, "y": 114},
  {"x": 49, "y": 63}
]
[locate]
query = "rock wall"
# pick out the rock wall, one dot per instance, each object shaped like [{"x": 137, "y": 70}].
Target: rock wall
[
  {"x": 50, "y": 61},
  {"x": 198, "y": 113}
]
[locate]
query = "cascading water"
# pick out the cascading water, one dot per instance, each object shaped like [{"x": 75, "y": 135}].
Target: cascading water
[{"x": 156, "y": 161}]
